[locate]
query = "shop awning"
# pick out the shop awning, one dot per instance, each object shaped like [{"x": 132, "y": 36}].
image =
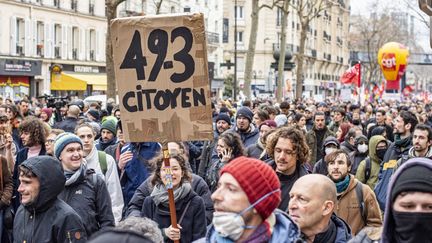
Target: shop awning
[
  {"x": 67, "y": 82},
  {"x": 98, "y": 81}
]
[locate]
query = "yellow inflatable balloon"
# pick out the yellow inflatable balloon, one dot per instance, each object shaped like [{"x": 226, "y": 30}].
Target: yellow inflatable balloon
[{"x": 393, "y": 59}]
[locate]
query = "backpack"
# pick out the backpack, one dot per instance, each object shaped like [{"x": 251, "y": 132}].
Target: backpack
[
  {"x": 359, "y": 192},
  {"x": 103, "y": 162},
  {"x": 368, "y": 169}
]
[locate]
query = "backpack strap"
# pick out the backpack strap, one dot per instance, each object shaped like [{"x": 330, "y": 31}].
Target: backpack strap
[
  {"x": 368, "y": 169},
  {"x": 103, "y": 162},
  {"x": 359, "y": 192},
  {"x": 184, "y": 212}
]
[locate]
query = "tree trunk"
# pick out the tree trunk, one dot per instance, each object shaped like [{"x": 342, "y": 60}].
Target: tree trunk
[
  {"x": 251, "y": 49},
  {"x": 282, "y": 50},
  {"x": 300, "y": 59},
  {"x": 111, "y": 13},
  {"x": 158, "y": 6}
]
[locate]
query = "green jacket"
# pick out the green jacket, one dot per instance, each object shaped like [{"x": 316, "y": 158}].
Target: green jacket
[{"x": 375, "y": 163}]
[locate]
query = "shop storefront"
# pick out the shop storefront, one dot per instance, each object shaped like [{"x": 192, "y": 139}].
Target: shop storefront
[
  {"x": 17, "y": 77},
  {"x": 78, "y": 80}
]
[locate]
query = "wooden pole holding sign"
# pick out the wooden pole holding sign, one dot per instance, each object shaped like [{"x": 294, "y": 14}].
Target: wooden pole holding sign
[
  {"x": 162, "y": 79},
  {"x": 169, "y": 186}
]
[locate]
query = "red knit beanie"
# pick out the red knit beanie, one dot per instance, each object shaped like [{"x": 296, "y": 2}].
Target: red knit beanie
[{"x": 257, "y": 179}]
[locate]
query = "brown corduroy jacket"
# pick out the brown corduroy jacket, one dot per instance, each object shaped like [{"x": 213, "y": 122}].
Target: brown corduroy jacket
[
  {"x": 6, "y": 184},
  {"x": 348, "y": 207}
]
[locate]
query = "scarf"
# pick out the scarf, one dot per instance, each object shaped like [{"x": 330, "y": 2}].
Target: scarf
[
  {"x": 160, "y": 193},
  {"x": 72, "y": 176},
  {"x": 341, "y": 186},
  {"x": 327, "y": 236},
  {"x": 402, "y": 143}
]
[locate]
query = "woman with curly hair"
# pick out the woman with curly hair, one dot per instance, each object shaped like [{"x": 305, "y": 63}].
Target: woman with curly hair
[
  {"x": 289, "y": 152},
  {"x": 190, "y": 208},
  {"x": 229, "y": 146}
]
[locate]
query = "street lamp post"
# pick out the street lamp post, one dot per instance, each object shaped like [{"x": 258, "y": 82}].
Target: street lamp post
[{"x": 235, "y": 50}]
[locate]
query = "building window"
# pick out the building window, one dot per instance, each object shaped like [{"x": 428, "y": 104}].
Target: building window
[
  {"x": 75, "y": 42},
  {"x": 239, "y": 36},
  {"x": 173, "y": 9},
  {"x": 40, "y": 33},
  {"x": 186, "y": 9},
  {"x": 91, "y": 7},
  {"x": 279, "y": 17},
  {"x": 238, "y": 12},
  {"x": 57, "y": 40},
  {"x": 74, "y": 4},
  {"x": 92, "y": 43},
  {"x": 56, "y": 3},
  {"x": 20, "y": 38}
]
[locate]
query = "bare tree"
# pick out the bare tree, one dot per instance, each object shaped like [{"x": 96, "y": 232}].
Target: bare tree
[
  {"x": 306, "y": 10},
  {"x": 158, "y": 5},
  {"x": 111, "y": 13},
  {"x": 281, "y": 65},
  {"x": 371, "y": 34}
]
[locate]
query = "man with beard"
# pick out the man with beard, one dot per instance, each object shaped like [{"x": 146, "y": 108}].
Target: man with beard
[
  {"x": 289, "y": 153},
  {"x": 24, "y": 108},
  {"x": 104, "y": 165},
  {"x": 249, "y": 134},
  {"x": 223, "y": 123},
  {"x": 404, "y": 127},
  {"x": 32, "y": 134},
  {"x": 357, "y": 204},
  {"x": 107, "y": 134},
  {"x": 422, "y": 141},
  {"x": 316, "y": 137},
  {"x": 338, "y": 118},
  {"x": 312, "y": 204},
  {"x": 84, "y": 191}
]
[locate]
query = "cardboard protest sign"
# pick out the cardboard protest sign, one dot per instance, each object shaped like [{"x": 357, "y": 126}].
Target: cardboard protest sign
[{"x": 162, "y": 77}]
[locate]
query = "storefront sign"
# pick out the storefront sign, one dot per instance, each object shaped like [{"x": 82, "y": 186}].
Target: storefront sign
[{"x": 20, "y": 67}]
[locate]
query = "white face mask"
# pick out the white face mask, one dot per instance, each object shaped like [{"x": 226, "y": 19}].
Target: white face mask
[
  {"x": 231, "y": 225},
  {"x": 329, "y": 150},
  {"x": 362, "y": 148}
]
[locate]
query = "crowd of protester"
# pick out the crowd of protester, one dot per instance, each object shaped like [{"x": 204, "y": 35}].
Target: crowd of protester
[{"x": 295, "y": 171}]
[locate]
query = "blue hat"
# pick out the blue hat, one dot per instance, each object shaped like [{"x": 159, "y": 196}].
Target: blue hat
[
  {"x": 223, "y": 116},
  {"x": 63, "y": 140}
]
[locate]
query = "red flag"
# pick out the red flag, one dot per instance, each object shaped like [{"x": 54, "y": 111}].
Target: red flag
[{"x": 353, "y": 74}]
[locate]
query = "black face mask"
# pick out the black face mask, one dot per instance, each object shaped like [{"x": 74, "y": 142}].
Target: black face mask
[
  {"x": 380, "y": 153},
  {"x": 356, "y": 122},
  {"x": 412, "y": 227}
]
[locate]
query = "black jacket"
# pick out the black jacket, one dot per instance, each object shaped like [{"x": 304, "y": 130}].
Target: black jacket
[
  {"x": 20, "y": 158},
  {"x": 67, "y": 125},
  {"x": 287, "y": 182},
  {"x": 47, "y": 219},
  {"x": 198, "y": 186},
  {"x": 193, "y": 221},
  {"x": 89, "y": 197},
  {"x": 356, "y": 157}
]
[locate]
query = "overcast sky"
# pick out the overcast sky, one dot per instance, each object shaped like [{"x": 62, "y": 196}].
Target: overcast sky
[{"x": 363, "y": 7}]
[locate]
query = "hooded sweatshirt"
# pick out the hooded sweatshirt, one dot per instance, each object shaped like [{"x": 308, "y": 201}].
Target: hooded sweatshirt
[
  {"x": 47, "y": 218},
  {"x": 389, "y": 223},
  {"x": 375, "y": 163},
  {"x": 410, "y": 155},
  {"x": 320, "y": 167}
]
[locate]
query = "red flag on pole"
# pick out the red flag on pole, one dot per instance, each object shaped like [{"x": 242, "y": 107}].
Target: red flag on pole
[{"x": 353, "y": 74}]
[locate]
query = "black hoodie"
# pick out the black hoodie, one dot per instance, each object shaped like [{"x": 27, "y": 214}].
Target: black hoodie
[{"x": 47, "y": 219}]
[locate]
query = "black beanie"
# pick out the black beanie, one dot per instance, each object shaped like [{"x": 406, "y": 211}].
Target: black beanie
[
  {"x": 223, "y": 116},
  {"x": 413, "y": 179},
  {"x": 246, "y": 112}
]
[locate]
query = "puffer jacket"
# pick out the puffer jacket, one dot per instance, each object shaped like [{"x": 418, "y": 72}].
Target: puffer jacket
[
  {"x": 349, "y": 209},
  {"x": 48, "y": 219},
  {"x": 375, "y": 163},
  {"x": 87, "y": 194},
  {"x": 284, "y": 230},
  {"x": 198, "y": 184}
]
